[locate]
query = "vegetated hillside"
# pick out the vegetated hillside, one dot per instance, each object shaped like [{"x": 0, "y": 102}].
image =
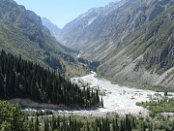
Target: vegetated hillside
[
  {"x": 26, "y": 80},
  {"x": 133, "y": 39},
  {"x": 22, "y": 32},
  {"x": 54, "y": 29}
]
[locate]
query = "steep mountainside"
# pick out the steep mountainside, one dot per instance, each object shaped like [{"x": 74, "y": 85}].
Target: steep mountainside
[
  {"x": 54, "y": 30},
  {"x": 107, "y": 26},
  {"x": 133, "y": 39},
  {"x": 101, "y": 27},
  {"x": 22, "y": 32}
]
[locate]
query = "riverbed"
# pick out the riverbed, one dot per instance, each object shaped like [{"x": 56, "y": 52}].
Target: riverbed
[{"x": 117, "y": 99}]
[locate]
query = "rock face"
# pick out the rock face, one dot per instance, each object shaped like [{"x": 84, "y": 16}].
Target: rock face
[
  {"x": 54, "y": 29},
  {"x": 97, "y": 24},
  {"x": 22, "y": 32},
  {"x": 133, "y": 39}
]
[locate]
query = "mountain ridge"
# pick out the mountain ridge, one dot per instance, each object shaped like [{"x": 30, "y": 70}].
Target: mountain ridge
[
  {"x": 133, "y": 42},
  {"x": 54, "y": 29}
]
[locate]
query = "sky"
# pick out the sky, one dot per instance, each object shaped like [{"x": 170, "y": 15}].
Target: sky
[{"x": 60, "y": 12}]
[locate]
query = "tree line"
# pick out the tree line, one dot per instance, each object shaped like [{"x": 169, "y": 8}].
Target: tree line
[
  {"x": 113, "y": 123},
  {"x": 24, "y": 79},
  {"x": 13, "y": 119}
]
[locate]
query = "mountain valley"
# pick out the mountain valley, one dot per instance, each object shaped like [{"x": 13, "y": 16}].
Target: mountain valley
[
  {"x": 132, "y": 39},
  {"x": 110, "y": 69}
]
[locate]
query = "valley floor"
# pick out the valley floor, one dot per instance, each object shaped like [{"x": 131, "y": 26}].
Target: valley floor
[{"x": 117, "y": 99}]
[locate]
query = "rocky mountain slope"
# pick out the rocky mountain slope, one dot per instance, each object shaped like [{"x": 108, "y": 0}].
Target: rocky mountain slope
[
  {"x": 54, "y": 29},
  {"x": 22, "y": 33},
  {"x": 133, "y": 39}
]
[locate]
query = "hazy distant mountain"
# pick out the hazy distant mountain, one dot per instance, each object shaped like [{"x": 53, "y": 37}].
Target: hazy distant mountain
[
  {"x": 132, "y": 38},
  {"x": 54, "y": 29}
]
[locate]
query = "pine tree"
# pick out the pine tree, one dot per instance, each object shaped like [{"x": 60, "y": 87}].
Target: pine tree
[{"x": 36, "y": 125}]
